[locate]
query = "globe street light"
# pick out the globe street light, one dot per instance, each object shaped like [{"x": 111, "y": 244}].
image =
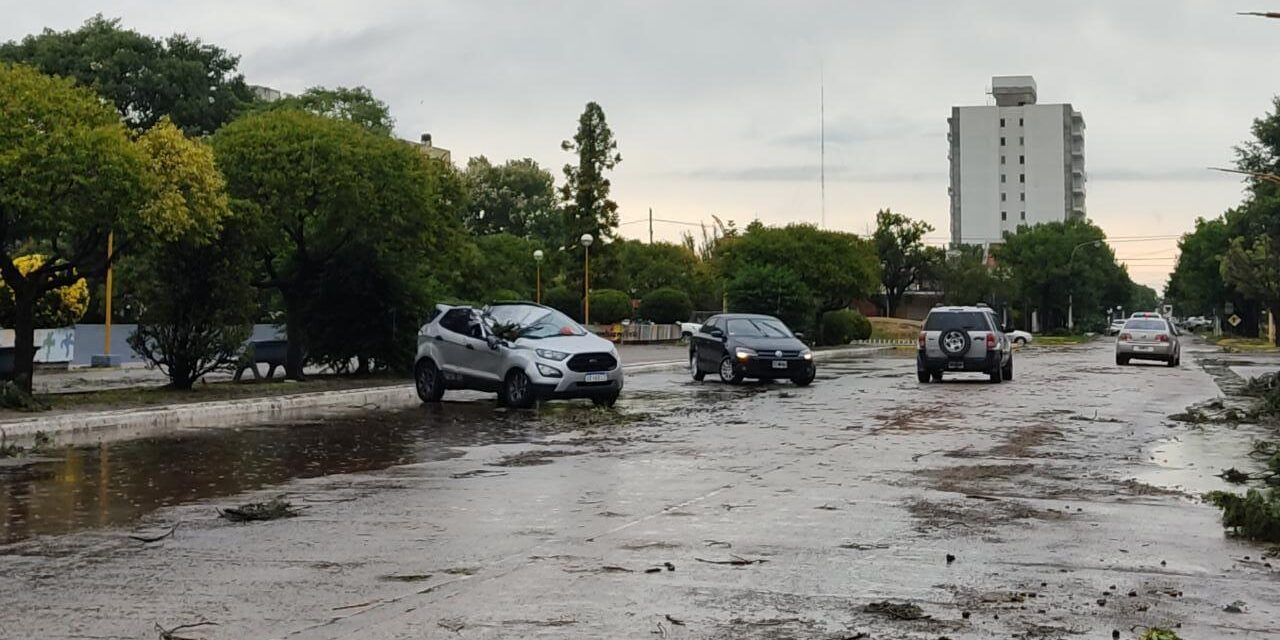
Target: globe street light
[
  {"x": 537, "y": 257},
  {"x": 586, "y": 241}
]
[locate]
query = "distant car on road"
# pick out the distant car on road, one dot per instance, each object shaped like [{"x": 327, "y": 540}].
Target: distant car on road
[
  {"x": 687, "y": 329},
  {"x": 524, "y": 351},
  {"x": 1148, "y": 338},
  {"x": 739, "y": 345},
  {"x": 1115, "y": 326},
  {"x": 963, "y": 339},
  {"x": 1020, "y": 337}
]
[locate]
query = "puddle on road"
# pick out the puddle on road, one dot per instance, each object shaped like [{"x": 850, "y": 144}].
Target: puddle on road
[
  {"x": 115, "y": 483},
  {"x": 1191, "y": 462}
]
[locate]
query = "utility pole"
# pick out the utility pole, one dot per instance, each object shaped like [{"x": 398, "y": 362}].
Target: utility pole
[
  {"x": 822, "y": 144},
  {"x": 650, "y": 225}
]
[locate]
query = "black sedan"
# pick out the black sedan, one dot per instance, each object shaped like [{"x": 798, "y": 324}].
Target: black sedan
[{"x": 740, "y": 345}]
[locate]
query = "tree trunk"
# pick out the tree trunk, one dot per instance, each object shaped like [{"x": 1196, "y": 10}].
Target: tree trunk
[
  {"x": 1274, "y": 311},
  {"x": 362, "y": 365},
  {"x": 24, "y": 339},
  {"x": 293, "y": 359}
]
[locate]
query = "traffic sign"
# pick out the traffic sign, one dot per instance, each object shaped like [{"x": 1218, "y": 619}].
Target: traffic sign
[{"x": 1234, "y": 320}]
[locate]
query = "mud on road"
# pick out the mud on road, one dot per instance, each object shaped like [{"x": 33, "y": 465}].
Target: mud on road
[{"x": 867, "y": 505}]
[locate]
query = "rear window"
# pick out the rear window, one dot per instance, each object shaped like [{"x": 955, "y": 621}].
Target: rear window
[
  {"x": 1143, "y": 324},
  {"x": 966, "y": 320}
]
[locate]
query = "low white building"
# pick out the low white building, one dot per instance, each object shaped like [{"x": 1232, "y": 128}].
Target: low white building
[{"x": 1014, "y": 163}]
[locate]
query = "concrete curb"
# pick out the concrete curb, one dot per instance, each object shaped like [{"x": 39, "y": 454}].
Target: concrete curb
[{"x": 75, "y": 428}]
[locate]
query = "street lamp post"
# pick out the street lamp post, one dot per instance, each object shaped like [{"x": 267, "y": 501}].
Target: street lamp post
[
  {"x": 586, "y": 241},
  {"x": 1071, "y": 302},
  {"x": 537, "y": 257}
]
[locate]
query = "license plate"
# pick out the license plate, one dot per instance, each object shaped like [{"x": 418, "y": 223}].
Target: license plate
[
  {"x": 1144, "y": 349},
  {"x": 597, "y": 377},
  {"x": 779, "y": 364},
  {"x": 955, "y": 365}
]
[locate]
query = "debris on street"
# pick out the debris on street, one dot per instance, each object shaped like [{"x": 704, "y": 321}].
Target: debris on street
[
  {"x": 260, "y": 511},
  {"x": 733, "y": 560},
  {"x": 157, "y": 538},
  {"x": 896, "y": 610}
]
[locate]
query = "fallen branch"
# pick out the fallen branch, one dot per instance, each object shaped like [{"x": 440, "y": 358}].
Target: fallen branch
[
  {"x": 170, "y": 634},
  {"x": 678, "y": 623},
  {"x": 156, "y": 538},
  {"x": 353, "y": 606},
  {"x": 737, "y": 561}
]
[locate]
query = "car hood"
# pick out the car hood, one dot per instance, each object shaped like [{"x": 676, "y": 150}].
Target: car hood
[
  {"x": 770, "y": 344},
  {"x": 589, "y": 343}
]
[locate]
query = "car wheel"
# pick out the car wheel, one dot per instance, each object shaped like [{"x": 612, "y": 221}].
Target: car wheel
[
  {"x": 698, "y": 374},
  {"x": 996, "y": 376},
  {"x": 727, "y": 371},
  {"x": 922, "y": 376},
  {"x": 805, "y": 379},
  {"x": 605, "y": 401},
  {"x": 936, "y": 375},
  {"x": 1121, "y": 360},
  {"x": 517, "y": 391},
  {"x": 954, "y": 342},
  {"x": 427, "y": 380},
  {"x": 1021, "y": 342},
  {"x": 1173, "y": 361},
  {"x": 1007, "y": 371}
]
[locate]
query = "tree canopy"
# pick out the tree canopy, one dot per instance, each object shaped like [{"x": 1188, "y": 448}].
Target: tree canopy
[
  {"x": 195, "y": 84},
  {"x": 904, "y": 258},
  {"x": 517, "y": 197},
  {"x": 357, "y": 105}
]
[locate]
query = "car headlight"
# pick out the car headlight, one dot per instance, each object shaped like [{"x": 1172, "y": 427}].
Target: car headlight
[
  {"x": 549, "y": 371},
  {"x": 743, "y": 353},
  {"x": 807, "y": 354},
  {"x": 551, "y": 354}
]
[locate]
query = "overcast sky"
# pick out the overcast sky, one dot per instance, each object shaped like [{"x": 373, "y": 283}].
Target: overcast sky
[{"x": 715, "y": 105}]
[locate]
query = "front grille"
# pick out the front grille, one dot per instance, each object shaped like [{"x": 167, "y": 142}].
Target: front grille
[
  {"x": 588, "y": 362},
  {"x": 768, "y": 354}
]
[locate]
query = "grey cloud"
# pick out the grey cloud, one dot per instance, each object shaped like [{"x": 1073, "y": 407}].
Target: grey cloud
[{"x": 1184, "y": 174}]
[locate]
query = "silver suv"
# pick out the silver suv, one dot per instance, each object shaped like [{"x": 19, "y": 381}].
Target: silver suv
[
  {"x": 963, "y": 339},
  {"x": 524, "y": 351}
]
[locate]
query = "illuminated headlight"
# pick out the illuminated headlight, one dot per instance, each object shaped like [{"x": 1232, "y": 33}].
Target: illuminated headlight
[
  {"x": 744, "y": 353},
  {"x": 806, "y": 354},
  {"x": 551, "y": 355},
  {"x": 549, "y": 371}
]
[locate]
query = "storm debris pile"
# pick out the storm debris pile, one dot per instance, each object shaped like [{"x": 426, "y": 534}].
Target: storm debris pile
[
  {"x": 1255, "y": 515},
  {"x": 259, "y": 511},
  {"x": 897, "y": 611}
]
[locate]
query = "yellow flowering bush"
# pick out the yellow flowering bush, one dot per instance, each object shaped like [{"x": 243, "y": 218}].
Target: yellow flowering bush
[{"x": 59, "y": 307}]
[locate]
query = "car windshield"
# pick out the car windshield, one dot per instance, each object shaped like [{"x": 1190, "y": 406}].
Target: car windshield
[
  {"x": 757, "y": 328},
  {"x": 535, "y": 322},
  {"x": 1144, "y": 324},
  {"x": 967, "y": 320}
]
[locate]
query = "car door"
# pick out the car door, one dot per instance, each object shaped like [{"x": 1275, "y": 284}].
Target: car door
[
  {"x": 483, "y": 361},
  {"x": 452, "y": 344},
  {"x": 710, "y": 347}
]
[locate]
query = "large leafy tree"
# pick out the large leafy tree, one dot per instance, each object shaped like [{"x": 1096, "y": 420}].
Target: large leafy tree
[
  {"x": 775, "y": 290},
  {"x": 325, "y": 187},
  {"x": 70, "y": 176},
  {"x": 837, "y": 268},
  {"x": 352, "y": 104},
  {"x": 517, "y": 197},
  {"x": 904, "y": 258},
  {"x": 965, "y": 277},
  {"x": 1051, "y": 263},
  {"x": 1196, "y": 286},
  {"x": 1253, "y": 267},
  {"x": 585, "y": 192},
  {"x": 193, "y": 83}
]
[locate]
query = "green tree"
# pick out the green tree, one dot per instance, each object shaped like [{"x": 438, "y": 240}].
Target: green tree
[
  {"x": 1050, "y": 263},
  {"x": 965, "y": 277},
  {"x": 501, "y": 261},
  {"x": 567, "y": 301},
  {"x": 1254, "y": 269},
  {"x": 351, "y": 104},
  {"x": 325, "y": 187},
  {"x": 200, "y": 303},
  {"x": 70, "y": 176},
  {"x": 904, "y": 258},
  {"x": 772, "y": 290},
  {"x": 1142, "y": 297},
  {"x": 195, "y": 84},
  {"x": 517, "y": 197},
  {"x": 588, "y": 209},
  {"x": 639, "y": 267},
  {"x": 609, "y": 306},
  {"x": 665, "y": 306},
  {"x": 836, "y": 268},
  {"x": 1196, "y": 286},
  {"x": 843, "y": 326}
]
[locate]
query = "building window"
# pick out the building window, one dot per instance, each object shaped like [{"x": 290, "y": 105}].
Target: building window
[
  {"x": 1024, "y": 215},
  {"x": 1022, "y": 159},
  {"x": 1004, "y": 215},
  {"x": 1022, "y": 140},
  {"x": 1002, "y": 141},
  {"x": 1002, "y": 196},
  {"x": 1001, "y": 159},
  {"x": 1022, "y": 177},
  {"x": 1019, "y": 122},
  {"x": 1002, "y": 122},
  {"x": 1002, "y": 178},
  {"x": 1022, "y": 196}
]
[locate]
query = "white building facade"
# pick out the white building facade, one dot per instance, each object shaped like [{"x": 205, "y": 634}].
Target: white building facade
[{"x": 1014, "y": 163}]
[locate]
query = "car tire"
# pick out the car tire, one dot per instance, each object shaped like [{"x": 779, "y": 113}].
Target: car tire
[
  {"x": 805, "y": 379},
  {"x": 1173, "y": 361},
  {"x": 698, "y": 374},
  {"x": 605, "y": 401},
  {"x": 727, "y": 371},
  {"x": 1121, "y": 360},
  {"x": 954, "y": 342},
  {"x": 1021, "y": 342},
  {"x": 936, "y": 375},
  {"x": 428, "y": 381},
  {"x": 996, "y": 376},
  {"x": 923, "y": 376},
  {"x": 517, "y": 391},
  {"x": 1007, "y": 371}
]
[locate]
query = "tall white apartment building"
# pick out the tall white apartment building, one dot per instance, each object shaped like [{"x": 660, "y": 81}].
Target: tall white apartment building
[{"x": 1014, "y": 163}]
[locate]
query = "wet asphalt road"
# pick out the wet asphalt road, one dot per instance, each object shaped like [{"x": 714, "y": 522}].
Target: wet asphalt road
[{"x": 1061, "y": 496}]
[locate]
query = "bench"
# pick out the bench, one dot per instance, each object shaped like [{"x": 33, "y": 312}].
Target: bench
[{"x": 272, "y": 353}]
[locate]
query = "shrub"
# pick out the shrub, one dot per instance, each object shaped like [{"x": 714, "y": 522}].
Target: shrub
[
  {"x": 776, "y": 291},
  {"x": 1256, "y": 515},
  {"x": 609, "y": 306},
  {"x": 61, "y": 307},
  {"x": 666, "y": 305},
  {"x": 565, "y": 300},
  {"x": 505, "y": 295},
  {"x": 843, "y": 326}
]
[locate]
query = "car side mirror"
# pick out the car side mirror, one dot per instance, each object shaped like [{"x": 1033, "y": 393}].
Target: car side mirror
[
  {"x": 799, "y": 335},
  {"x": 715, "y": 333}
]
